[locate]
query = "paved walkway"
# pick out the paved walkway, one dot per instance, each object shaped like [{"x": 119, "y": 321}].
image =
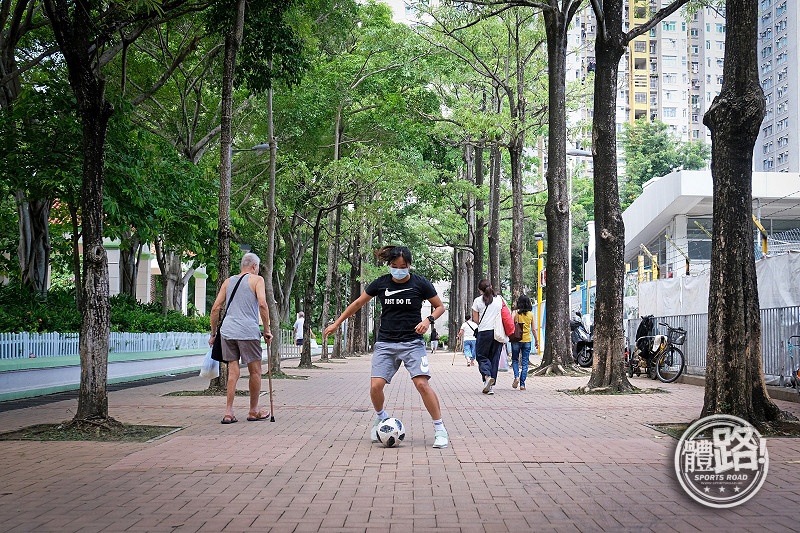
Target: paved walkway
[{"x": 537, "y": 460}]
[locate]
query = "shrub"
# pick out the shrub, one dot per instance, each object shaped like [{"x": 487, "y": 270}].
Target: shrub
[{"x": 23, "y": 310}]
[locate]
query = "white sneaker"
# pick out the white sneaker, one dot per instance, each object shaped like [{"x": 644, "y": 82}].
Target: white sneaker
[
  {"x": 373, "y": 433},
  {"x": 491, "y": 390},
  {"x": 487, "y": 385},
  {"x": 440, "y": 438}
]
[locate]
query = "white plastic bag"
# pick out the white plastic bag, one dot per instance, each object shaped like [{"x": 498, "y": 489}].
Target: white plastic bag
[
  {"x": 209, "y": 368},
  {"x": 503, "y": 366}
]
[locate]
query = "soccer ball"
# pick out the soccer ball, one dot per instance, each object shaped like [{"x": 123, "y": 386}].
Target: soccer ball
[{"x": 391, "y": 432}]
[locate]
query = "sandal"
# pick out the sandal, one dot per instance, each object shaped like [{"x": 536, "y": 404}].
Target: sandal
[
  {"x": 257, "y": 416},
  {"x": 228, "y": 419}
]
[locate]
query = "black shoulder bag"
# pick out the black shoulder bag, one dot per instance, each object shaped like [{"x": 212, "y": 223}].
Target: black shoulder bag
[{"x": 216, "y": 350}]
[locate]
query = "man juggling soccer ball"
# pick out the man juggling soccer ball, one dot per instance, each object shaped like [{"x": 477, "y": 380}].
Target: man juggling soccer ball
[{"x": 400, "y": 340}]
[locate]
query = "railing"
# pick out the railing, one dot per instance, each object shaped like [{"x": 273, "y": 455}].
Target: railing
[
  {"x": 25, "y": 345},
  {"x": 28, "y": 345},
  {"x": 777, "y": 325}
]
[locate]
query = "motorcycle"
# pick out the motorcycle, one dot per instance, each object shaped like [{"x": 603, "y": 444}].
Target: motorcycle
[{"x": 582, "y": 336}]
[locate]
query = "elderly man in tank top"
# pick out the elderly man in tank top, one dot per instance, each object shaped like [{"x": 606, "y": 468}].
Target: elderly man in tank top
[{"x": 241, "y": 334}]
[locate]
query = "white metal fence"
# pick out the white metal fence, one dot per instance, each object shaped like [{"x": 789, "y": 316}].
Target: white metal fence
[
  {"x": 24, "y": 345},
  {"x": 777, "y": 325}
]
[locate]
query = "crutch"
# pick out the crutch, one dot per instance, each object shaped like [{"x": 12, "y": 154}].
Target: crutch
[{"x": 269, "y": 379}]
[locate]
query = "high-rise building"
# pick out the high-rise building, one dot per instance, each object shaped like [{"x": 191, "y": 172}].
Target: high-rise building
[{"x": 776, "y": 148}]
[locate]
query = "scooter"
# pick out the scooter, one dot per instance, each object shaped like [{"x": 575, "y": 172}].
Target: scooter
[{"x": 582, "y": 341}]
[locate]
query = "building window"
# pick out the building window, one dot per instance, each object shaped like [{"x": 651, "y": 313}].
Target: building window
[
  {"x": 765, "y": 4},
  {"x": 783, "y": 74},
  {"x": 768, "y": 114},
  {"x": 766, "y": 34},
  {"x": 783, "y": 157},
  {"x": 783, "y": 124},
  {"x": 780, "y": 10},
  {"x": 653, "y": 33},
  {"x": 668, "y": 26},
  {"x": 766, "y": 67},
  {"x": 767, "y": 130},
  {"x": 695, "y": 134},
  {"x": 640, "y": 98},
  {"x": 780, "y": 43},
  {"x": 767, "y": 147},
  {"x": 721, "y": 45},
  {"x": 695, "y": 49},
  {"x": 782, "y": 58},
  {"x": 694, "y": 32},
  {"x": 639, "y": 46},
  {"x": 766, "y": 51},
  {"x": 767, "y": 83},
  {"x": 670, "y": 61},
  {"x": 720, "y": 28},
  {"x": 783, "y": 89},
  {"x": 708, "y": 28},
  {"x": 783, "y": 107},
  {"x": 769, "y": 163},
  {"x": 780, "y": 26},
  {"x": 768, "y": 98},
  {"x": 783, "y": 141},
  {"x": 766, "y": 18},
  {"x": 670, "y": 112}
]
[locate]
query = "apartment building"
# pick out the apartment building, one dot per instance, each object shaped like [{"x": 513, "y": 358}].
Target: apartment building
[{"x": 776, "y": 148}]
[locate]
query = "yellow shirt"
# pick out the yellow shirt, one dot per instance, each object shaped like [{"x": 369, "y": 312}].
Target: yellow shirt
[{"x": 526, "y": 320}]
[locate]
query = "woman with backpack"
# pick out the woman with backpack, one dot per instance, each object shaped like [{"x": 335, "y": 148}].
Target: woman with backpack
[{"x": 467, "y": 333}]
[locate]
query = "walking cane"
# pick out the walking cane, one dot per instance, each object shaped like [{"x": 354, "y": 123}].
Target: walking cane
[
  {"x": 269, "y": 378},
  {"x": 455, "y": 345}
]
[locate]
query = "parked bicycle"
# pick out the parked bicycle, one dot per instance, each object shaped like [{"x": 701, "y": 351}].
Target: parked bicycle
[{"x": 658, "y": 356}]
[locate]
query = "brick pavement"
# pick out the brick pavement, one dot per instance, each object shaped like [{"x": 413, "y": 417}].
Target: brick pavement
[{"x": 537, "y": 460}]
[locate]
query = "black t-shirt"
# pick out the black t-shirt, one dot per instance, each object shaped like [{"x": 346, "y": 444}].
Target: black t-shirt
[{"x": 401, "y": 306}]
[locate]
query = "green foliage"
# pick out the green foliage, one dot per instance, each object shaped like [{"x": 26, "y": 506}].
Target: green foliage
[
  {"x": 651, "y": 150},
  {"x": 22, "y": 310}
]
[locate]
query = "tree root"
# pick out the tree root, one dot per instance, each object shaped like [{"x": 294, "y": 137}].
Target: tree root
[
  {"x": 608, "y": 389},
  {"x": 558, "y": 370},
  {"x": 95, "y": 423}
]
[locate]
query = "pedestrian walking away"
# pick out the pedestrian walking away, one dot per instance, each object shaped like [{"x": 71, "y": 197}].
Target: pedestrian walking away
[
  {"x": 467, "y": 332},
  {"x": 297, "y": 328},
  {"x": 521, "y": 350},
  {"x": 485, "y": 310},
  {"x": 400, "y": 337},
  {"x": 245, "y": 300},
  {"x": 434, "y": 339}
]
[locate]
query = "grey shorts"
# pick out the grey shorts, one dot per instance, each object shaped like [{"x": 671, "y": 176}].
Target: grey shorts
[
  {"x": 248, "y": 351},
  {"x": 387, "y": 357}
]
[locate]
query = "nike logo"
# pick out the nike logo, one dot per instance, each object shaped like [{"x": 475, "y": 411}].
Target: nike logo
[{"x": 389, "y": 293}]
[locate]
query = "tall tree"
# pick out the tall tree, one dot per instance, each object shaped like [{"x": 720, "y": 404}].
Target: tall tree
[
  {"x": 83, "y": 32},
  {"x": 608, "y": 372},
  {"x": 651, "y": 150},
  {"x": 734, "y": 370}
]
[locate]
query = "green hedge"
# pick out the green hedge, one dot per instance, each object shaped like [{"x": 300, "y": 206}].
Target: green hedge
[{"x": 22, "y": 310}]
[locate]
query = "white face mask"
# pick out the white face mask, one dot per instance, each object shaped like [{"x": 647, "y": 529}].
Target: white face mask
[{"x": 398, "y": 273}]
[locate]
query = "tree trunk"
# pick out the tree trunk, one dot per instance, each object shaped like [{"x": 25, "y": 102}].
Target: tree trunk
[
  {"x": 94, "y": 111},
  {"x": 734, "y": 372},
  {"x": 337, "y": 342},
  {"x": 480, "y": 225},
  {"x": 557, "y": 350},
  {"x": 33, "y": 250},
  {"x": 355, "y": 337},
  {"x": 129, "y": 255},
  {"x": 494, "y": 216},
  {"x": 608, "y": 369},
  {"x": 269, "y": 261},
  {"x": 516, "y": 246},
  {"x": 232, "y": 42},
  {"x": 326, "y": 295},
  {"x": 453, "y": 320},
  {"x": 308, "y": 298}
]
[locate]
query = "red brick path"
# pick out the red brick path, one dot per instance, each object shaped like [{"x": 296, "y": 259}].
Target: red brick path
[{"x": 535, "y": 460}]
